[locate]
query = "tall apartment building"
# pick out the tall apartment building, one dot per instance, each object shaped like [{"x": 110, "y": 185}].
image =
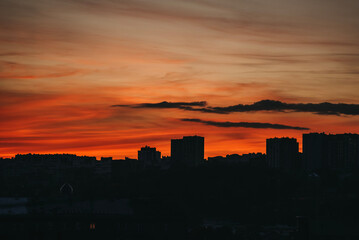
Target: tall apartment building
[
  {"x": 282, "y": 153},
  {"x": 315, "y": 151},
  {"x": 188, "y": 151},
  {"x": 333, "y": 151},
  {"x": 149, "y": 157}
]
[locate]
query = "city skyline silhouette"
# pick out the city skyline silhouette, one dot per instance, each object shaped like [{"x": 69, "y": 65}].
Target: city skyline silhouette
[
  {"x": 282, "y": 193},
  {"x": 179, "y": 119},
  {"x": 299, "y": 150}
]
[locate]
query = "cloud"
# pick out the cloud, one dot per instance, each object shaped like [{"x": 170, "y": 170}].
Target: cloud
[
  {"x": 165, "y": 104},
  {"x": 242, "y": 124},
  {"x": 324, "y": 108},
  {"x": 15, "y": 70}
]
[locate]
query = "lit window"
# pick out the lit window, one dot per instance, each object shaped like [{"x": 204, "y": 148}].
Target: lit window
[{"x": 92, "y": 226}]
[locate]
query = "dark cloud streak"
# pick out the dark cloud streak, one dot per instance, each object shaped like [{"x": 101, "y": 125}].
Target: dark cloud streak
[
  {"x": 164, "y": 104},
  {"x": 242, "y": 124},
  {"x": 324, "y": 108}
]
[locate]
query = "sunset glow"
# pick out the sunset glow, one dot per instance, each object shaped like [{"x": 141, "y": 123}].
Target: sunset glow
[{"x": 65, "y": 64}]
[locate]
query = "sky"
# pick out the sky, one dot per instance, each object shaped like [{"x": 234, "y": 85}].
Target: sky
[{"x": 105, "y": 78}]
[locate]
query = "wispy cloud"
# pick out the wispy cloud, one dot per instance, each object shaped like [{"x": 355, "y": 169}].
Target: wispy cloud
[
  {"x": 243, "y": 124},
  {"x": 165, "y": 104},
  {"x": 14, "y": 70},
  {"x": 324, "y": 108}
]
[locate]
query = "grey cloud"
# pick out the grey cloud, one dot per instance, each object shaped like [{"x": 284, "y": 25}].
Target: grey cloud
[
  {"x": 324, "y": 108},
  {"x": 243, "y": 124},
  {"x": 165, "y": 104}
]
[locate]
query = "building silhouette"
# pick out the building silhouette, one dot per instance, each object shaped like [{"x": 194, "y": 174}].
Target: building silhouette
[
  {"x": 188, "y": 151},
  {"x": 315, "y": 151},
  {"x": 149, "y": 157},
  {"x": 344, "y": 151},
  {"x": 333, "y": 151},
  {"x": 282, "y": 153}
]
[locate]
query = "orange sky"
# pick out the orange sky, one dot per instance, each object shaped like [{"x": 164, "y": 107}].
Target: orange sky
[{"x": 64, "y": 63}]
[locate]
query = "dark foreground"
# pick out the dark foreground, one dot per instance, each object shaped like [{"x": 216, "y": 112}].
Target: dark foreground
[{"x": 212, "y": 201}]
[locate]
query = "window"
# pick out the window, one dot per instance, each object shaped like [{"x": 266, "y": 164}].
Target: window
[{"x": 92, "y": 226}]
